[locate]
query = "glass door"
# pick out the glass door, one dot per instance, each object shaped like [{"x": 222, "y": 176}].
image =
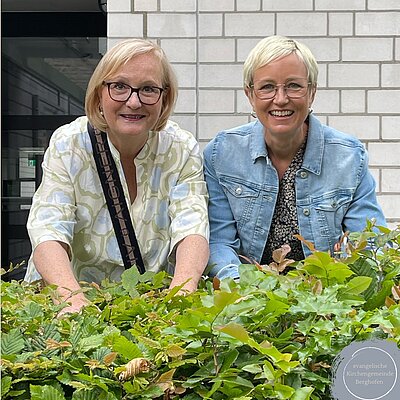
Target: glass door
[{"x": 43, "y": 87}]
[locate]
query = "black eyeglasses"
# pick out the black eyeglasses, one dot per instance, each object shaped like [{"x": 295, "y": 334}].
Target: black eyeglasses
[
  {"x": 293, "y": 90},
  {"x": 148, "y": 95}
]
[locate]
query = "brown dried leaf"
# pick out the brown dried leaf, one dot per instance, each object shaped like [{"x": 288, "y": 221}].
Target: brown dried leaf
[
  {"x": 396, "y": 292},
  {"x": 317, "y": 287},
  {"x": 310, "y": 245},
  {"x": 134, "y": 367},
  {"x": 109, "y": 358},
  {"x": 52, "y": 344},
  {"x": 389, "y": 302}
]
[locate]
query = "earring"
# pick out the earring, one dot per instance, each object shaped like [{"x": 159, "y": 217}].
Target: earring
[
  {"x": 253, "y": 114},
  {"x": 310, "y": 110},
  {"x": 101, "y": 112}
]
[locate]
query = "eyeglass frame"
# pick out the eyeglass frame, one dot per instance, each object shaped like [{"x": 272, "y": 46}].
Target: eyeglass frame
[
  {"x": 133, "y": 90},
  {"x": 251, "y": 86}
]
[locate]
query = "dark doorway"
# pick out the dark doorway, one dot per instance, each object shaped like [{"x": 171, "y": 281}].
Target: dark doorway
[{"x": 47, "y": 60}]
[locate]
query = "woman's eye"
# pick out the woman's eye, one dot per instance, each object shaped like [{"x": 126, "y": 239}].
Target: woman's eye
[
  {"x": 119, "y": 86},
  {"x": 293, "y": 85},
  {"x": 268, "y": 86},
  {"x": 147, "y": 89}
]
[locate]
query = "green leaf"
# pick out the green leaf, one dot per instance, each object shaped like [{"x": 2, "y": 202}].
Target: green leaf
[
  {"x": 12, "y": 342},
  {"x": 303, "y": 393},
  {"x": 237, "y": 331},
  {"x": 356, "y": 285},
  {"x": 5, "y": 385},
  {"x": 45, "y": 393},
  {"x": 378, "y": 299},
  {"x": 129, "y": 280},
  {"x": 126, "y": 348}
]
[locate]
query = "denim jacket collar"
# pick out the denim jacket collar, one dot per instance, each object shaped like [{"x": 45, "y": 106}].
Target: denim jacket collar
[{"x": 314, "y": 151}]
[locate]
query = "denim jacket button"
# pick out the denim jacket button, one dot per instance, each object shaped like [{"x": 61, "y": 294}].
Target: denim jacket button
[
  {"x": 303, "y": 174},
  {"x": 306, "y": 212},
  {"x": 334, "y": 204},
  {"x": 238, "y": 190}
]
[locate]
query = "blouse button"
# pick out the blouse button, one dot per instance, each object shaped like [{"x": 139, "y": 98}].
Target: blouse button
[
  {"x": 303, "y": 174},
  {"x": 306, "y": 212},
  {"x": 238, "y": 190}
]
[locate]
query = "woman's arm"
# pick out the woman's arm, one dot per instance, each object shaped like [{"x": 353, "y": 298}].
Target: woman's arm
[
  {"x": 52, "y": 262},
  {"x": 191, "y": 259}
]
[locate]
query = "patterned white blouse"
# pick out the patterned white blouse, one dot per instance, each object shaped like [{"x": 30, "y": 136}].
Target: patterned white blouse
[{"x": 69, "y": 206}]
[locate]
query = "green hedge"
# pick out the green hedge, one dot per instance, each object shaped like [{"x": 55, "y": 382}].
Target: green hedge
[{"x": 269, "y": 336}]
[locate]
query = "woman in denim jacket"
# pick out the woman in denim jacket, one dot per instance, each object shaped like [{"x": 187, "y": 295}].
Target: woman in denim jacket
[{"x": 285, "y": 173}]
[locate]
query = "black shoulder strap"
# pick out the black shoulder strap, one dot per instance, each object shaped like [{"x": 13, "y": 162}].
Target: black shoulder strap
[{"x": 115, "y": 199}]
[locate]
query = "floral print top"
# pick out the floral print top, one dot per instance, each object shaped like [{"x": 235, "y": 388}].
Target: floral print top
[{"x": 69, "y": 205}]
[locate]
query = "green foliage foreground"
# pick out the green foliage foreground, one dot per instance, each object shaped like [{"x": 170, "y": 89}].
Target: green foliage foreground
[{"x": 269, "y": 336}]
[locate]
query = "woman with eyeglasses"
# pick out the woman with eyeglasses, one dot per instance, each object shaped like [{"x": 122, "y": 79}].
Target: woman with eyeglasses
[
  {"x": 130, "y": 97},
  {"x": 285, "y": 173}
]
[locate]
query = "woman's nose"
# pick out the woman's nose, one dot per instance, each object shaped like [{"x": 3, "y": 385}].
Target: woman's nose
[
  {"x": 281, "y": 95},
  {"x": 134, "y": 101}
]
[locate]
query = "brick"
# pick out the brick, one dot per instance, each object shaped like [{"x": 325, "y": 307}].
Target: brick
[
  {"x": 364, "y": 127},
  {"x": 178, "y": 5},
  {"x": 242, "y": 103},
  {"x": 380, "y": 23},
  {"x": 367, "y": 49},
  {"x": 171, "y": 25},
  {"x": 119, "y": 6},
  {"x": 244, "y": 46},
  {"x": 287, "y": 5},
  {"x": 340, "y": 24},
  {"x": 391, "y": 127},
  {"x": 353, "y": 75},
  {"x": 340, "y": 5},
  {"x": 216, "y": 101},
  {"x": 248, "y": 5},
  {"x": 383, "y": 5},
  {"x": 213, "y": 5},
  {"x": 186, "y": 74},
  {"x": 384, "y": 154},
  {"x": 390, "y": 206},
  {"x": 383, "y": 101},
  {"x": 180, "y": 50},
  {"x": 225, "y": 76},
  {"x": 390, "y": 75},
  {"x": 375, "y": 172},
  {"x": 249, "y": 24},
  {"x": 209, "y": 126},
  {"x": 322, "y": 75},
  {"x": 397, "y": 47},
  {"x": 353, "y": 101},
  {"x": 186, "y": 102},
  {"x": 326, "y": 101},
  {"x": 210, "y": 25},
  {"x": 216, "y": 50},
  {"x": 145, "y": 5},
  {"x": 301, "y": 24},
  {"x": 187, "y": 122},
  {"x": 391, "y": 181},
  {"x": 125, "y": 25},
  {"x": 324, "y": 49}
]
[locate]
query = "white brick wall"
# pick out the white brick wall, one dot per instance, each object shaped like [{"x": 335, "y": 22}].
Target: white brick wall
[{"x": 356, "y": 43}]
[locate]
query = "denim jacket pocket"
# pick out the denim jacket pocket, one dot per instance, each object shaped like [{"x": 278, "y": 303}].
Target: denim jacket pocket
[
  {"x": 242, "y": 197},
  {"x": 330, "y": 211}
]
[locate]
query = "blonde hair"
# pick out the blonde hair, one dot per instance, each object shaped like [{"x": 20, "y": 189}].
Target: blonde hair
[
  {"x": 270, "y": 49},
  {"x": 112, "y": 61}
]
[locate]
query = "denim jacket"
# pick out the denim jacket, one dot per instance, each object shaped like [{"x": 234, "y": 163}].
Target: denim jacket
[{"x": 335, "y": 192}]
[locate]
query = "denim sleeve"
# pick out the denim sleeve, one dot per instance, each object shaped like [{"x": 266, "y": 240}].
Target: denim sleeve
[
  {"x": 224, "y": 238},
  {"x": 364, "y": 205}
]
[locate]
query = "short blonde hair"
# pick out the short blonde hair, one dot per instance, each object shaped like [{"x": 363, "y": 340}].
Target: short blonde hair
[
  {"x": 270, "y": 49},
  {"x": 112, "y": 61}
]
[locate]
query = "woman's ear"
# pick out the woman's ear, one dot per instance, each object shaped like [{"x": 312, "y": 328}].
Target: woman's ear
[{"x": 249, "y": 94}]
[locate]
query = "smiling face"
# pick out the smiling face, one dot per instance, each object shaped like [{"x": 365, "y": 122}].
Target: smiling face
[
  {"x": 283, "y": 117},
  {"x": 132, "y": 119}
]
